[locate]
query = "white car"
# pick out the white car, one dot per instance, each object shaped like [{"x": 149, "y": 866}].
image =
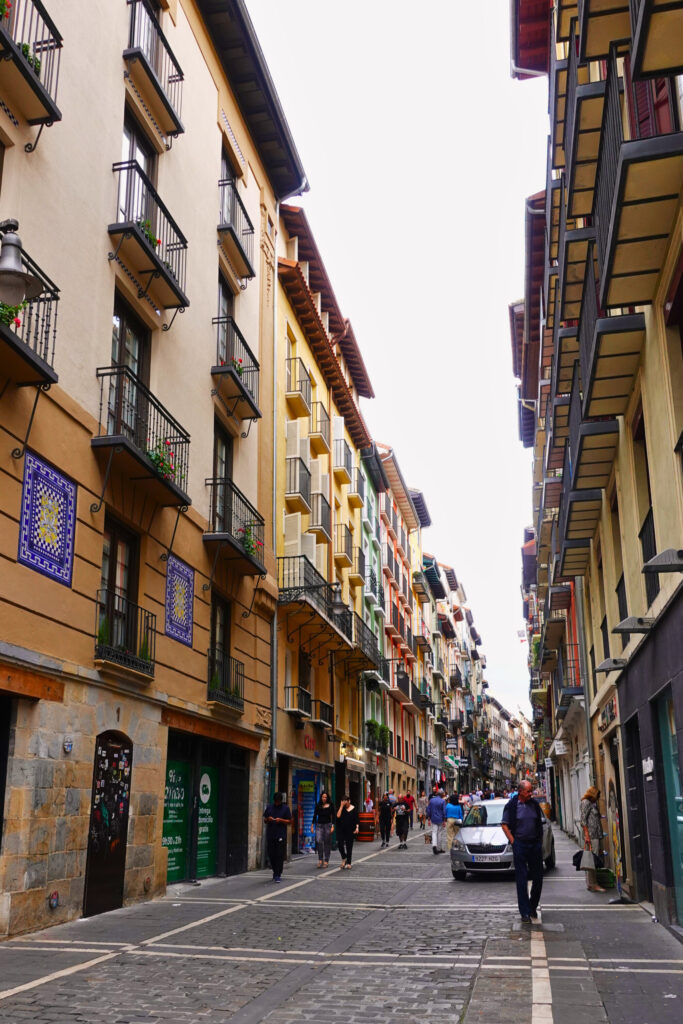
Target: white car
[{"x": 481, "y": 844}]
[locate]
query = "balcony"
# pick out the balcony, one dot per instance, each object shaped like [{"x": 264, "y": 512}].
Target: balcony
[
  {"x": 557, "y": 94},
  {"x": 372, "y": 587},
  {"x": 140, "y": 439},
  {"x": 392, "y": 619},
  {"x": 565, "y": 355},
  {"x": 30, "y": 52},
  {"x": 441, "y": 721},
  {"x": 399, "y": 683},
  {"x": 297, "y": 486},
  {"x": 236, "y": 371},
  {"x": 637, "y": 190},
  {"x": 153, "y": 69},
  {"x": 125, "y": 634},
  {"x": 320, "y": 522},
  {"x": 343, "y": 545},
  {"x": 601, "y": 22},
  {"x": 298, "y": 387},
  {"x": 420, "y": 586},
  {"x": 356, "y": 494},
  {"x": 298, "y": 702},
  {"x": 225, "y": 681},
  {"x": 592, "y": 445},
  {"x": 236, "y": 528},
  {"x": 385, "y": 509},
  {"x": 150, "y": 243},
  {"x": 366, "y": 643},
  {"x": 321, "y": 713},
  {"x": 611, "y": 347},
  {"x": 319, "y": 429},
  {"x": 235, "y": 230},
  {"x": 402, "y": 543},
  {"x": 343, "y": 461},
  {"x": 389, "y": 567},
  {"x": 573, "y": 251},
  {"x": 585, "y": 102},
  {"x": 657, "y": 30},
  {"x": 357, "y": 568},
  {"x": 313, "y": 606},
  {"x": 28, "y": 334}
]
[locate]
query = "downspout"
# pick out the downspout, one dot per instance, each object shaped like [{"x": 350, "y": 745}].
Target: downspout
[{"x": 578, "y": 591}]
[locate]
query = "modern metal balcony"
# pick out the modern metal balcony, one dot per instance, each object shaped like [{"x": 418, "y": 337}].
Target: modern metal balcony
[
  {"x": 125, "y": 634},
  {"x": 637, "y": 191},
  {"x": 235, "y": 230},
  {"x": 385, "y": 509},
  {"x": 140, "y": 438},
  {"x": 389, "y": 567},
  {"x": 611, "y": 349},
  {"x": 153, "y": 68},
  {"x": 235, "y": 528},
  {"x": 298, "y": 702},
  {"x": 30, "y": 53},
  {"x": 356, "y": 493},
  {"x": 579, "y": 515},
  {"x": 399, "y": 684},
  {"x": 343, "y": 545},
  {"x": 150, "y": 243},
  {"x": 297, "y": 485},
  {"x": 557, "y": 93},
  {"x": 601, "y": 23},
  {"x": 592, "y": 445},
  {"x": 321, "y": 713},
  {"x": 28, "y": 332},
  {"x": 343, "y": 461},
  {"x": 225, "y": 680},
  {"x": 236, "y": 371},
  {"x": 319, "y": 429},
  {"x": 320, "y": 522},
  {"x": 357, "y": 567},
  {"x": 657, "y": 30},
  {"x": 391, "y": 620},
  {"x": 573, "y": 250},
  {"x": 585, "y": 101},
  {"x": 297, "y": 387},
  {"x": 420, "y": 586}
]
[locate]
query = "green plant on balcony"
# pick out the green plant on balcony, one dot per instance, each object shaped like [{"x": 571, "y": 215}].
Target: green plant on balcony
[
  {"x": 535, "y": 651},
  {"x": 383, "y": 737},
  {"x": 250, "y": 542},
  {"x": 5, "y": 8},
  {"x": 171, "y": 269},
  {"x": 372, "y": 727},
  {"x": 31, "y": 59},
  {"x": 9, "y": 315},
  {"x": 103, "y": 633},
  {"x": 163, "y": 458},
  {"x": 149, "y": 233},
  {"x": 144, "y": 652}
]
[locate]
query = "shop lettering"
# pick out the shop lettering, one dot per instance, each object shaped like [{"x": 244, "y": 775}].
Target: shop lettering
[{"x": 309, "y": 743}]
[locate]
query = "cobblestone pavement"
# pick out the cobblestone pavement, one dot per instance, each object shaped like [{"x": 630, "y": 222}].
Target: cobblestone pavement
[{"x": 395, "y": 939}]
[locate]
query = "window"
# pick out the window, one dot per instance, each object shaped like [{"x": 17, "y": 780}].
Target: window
[
  {"x": 222, "y": 474},
  {"x": 304, "y": 671},
  {"x": 222, "y": 454},
  {"x": 117, "y": 627},
  {"x": 130, "y": 347},
  {"x": 130, "y": 340},
  {"x": 220, "y": 626},
  {"x": 134, "y": 200},
  {"x": 225, "y": 310}
]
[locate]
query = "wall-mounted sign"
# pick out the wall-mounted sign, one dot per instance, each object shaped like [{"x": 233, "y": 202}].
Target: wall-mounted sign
[
  {"x": 548, "y": 762},
  {"x": 561, "y": 747},
  {"x": 648, "y": 766}
]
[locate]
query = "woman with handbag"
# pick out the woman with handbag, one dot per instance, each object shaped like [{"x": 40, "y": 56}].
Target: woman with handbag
[
  {"x": 323, "y": 826},
  {"x": 347, "y": 830},
  {"x": 591, "y": 823}
]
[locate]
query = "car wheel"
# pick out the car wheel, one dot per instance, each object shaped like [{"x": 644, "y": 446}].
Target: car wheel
[
  {"x": 550, "y": 860},
  {"x": 460, "y": 875}
]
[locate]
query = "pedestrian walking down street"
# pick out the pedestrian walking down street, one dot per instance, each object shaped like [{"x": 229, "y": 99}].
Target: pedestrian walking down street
[
  {"x": 591, "y": 823},
  {"x": 436, "y": 816},
  {"x": 386, "y": 811},
  {"x": 402, "y": 819},
  {"x": 347, "y": 830},
  {"x": 278, "y": 818},
  {"x": 523, "y": 825},
  {"x": 323, "y": 826},
  {"x": 410, "y": 803},
  {"x": 422, "y": 809},
  {"x": 453, "y": 819}
]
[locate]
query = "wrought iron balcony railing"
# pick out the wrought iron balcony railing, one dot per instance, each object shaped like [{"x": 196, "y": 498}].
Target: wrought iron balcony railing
[
  {"x": 233, "y": 356},
  {"x": 162, "y": 84},
  {"x": 125, "y": 634},
  {"x": 372, "y": 587},
  {"x": 231, "y": 514},
  {"x": 343, "y": 543},
  {"x": 298, "y": 701},
  {"x": 322, "y": 713},
  {"x": 30, "y": 51},
  {"x": 298, "y": 579},
  {"x": 357, "y": 569},
  {"x": 225, "y": 679},
  {"x": 234, "y": 220},
  {"x": 28, "y": 333},
  {"x": 298, "y": 384},
  {"x": 365, "y": 639}
]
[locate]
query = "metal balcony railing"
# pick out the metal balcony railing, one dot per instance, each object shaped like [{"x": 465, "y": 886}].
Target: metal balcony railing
[
  {"x": 320, "y": 422},
  {"x": 611, "y": 138},
  {"x": 322, "y": 712},
  {"x": 321, "y": 514},
  {"x": 358, "y": 484},
  {"x": 343, "y": 456},
  {"x": 365, "y": 639},
  {"x": 298, "y": 699},
  {"x": 587, "y": 320},
  {"x": 146, "y": 35},
  {"x": 234, "y": 217},
  {"x": 37, "y": 42},
  {"x": 125, "y": 634},
  {"x": 131, "y": 411},
  {"x": 648, "y": 545},
  {"x": 298, "y": 479},
  {"x": 232, "y": 351},
  {"x": 358, "y": 563},
  {"x": 33, "y": 324},
  {"x": 298, "y": 379},
  {"x": 388, "y": 560},
  {"x": 231, "y": 513},
  {"x": 343, "y": 541},
  {"x": 225, "y": 679},
  {"x": 140, "y": 208},
  {"x": 372, "y": 584},
  {"x": 299, "y": 579}
]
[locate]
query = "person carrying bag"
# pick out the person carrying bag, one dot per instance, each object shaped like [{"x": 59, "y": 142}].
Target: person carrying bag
[{"x": 591, "y": 824}]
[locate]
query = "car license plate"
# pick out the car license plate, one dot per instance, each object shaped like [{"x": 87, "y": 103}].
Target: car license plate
[{"x": 485, "y": 858}]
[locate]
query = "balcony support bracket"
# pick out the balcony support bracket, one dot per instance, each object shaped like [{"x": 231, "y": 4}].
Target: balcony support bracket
[
  {"x": 115, "y": 255},
  {"x": 165, "y": 554},
  {"x": 142, "y": 292},
  {"x": 97, "y": 505},
  {"x": 18, "y": 453},
  {"x": 245, "y": 433},
  {"x": 178, "y": 309},
  {"x": 247, "y": 613},
  {"x": 219, "y": 548},
  {"x": 31, "y": 147},
  {"x": 291, "y": 637}
]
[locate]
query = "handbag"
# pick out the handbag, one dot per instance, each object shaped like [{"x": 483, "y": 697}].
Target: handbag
[{"x": 586, "y": 860}]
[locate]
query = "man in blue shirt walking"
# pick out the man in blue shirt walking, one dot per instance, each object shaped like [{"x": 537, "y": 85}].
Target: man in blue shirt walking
[
  {"x": 523, "y": 825},
  {"x": 436, "y": 816}
]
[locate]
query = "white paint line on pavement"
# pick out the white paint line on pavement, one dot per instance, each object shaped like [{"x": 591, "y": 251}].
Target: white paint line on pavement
[
  {"x": 192, "y": 924},
  {"x": 636, "y": 970},
  {"x": 623, "y": 960},
  {"x": 541, "y": 995},
  {"x": 239, "y": 949},
  {"x": 68, "y": 942},
  {"x": 224, "y": 956},
  {"x": 56, "y": 975},
  {"x": 281, "y": 892},
  {"x": 65, "y": 949}
]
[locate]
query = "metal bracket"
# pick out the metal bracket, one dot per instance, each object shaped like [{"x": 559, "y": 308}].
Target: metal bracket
[
  {"x": 31, "y": 147},
  {"x": 97, "y": 505},
  {"x": 178, "y": 309},
  {"x": 115, "y": 255},
  {"x": 18, "y": 453},
  {"x": 207, "y": 586},
  {"x": 245, "y": 615},
  {"x": 245, "y": 433},
  {"x": 164, "y": 554},
  {"x": 142, "y": 292},
  {"x": 300, "y": 627}
]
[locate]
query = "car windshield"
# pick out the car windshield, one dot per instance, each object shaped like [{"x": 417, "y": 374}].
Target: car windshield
[{"x": 484, "y": 814}]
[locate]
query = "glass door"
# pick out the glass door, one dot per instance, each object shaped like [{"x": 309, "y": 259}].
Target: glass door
[{"x": 674, "y": 793}]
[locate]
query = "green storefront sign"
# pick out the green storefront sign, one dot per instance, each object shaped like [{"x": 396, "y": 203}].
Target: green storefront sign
[
  {"x": 208, "y": 822},
  {"x": 176, "y": 818}
]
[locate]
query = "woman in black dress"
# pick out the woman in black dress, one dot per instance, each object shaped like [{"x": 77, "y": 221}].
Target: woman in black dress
[
  {"x": 323, "y": 826},
  {"x": 347, "y": 828}
]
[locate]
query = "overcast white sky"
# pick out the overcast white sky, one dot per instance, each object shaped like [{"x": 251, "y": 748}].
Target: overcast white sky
[{"x": 420, "y": 150}]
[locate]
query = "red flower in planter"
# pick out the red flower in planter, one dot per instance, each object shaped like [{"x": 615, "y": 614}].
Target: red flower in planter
[{"x": 17, "y": 322}]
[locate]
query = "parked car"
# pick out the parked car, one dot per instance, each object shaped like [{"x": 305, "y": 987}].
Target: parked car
[{"x": 481, "y": 844}]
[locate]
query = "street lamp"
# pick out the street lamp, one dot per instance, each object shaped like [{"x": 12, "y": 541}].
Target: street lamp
[{"x": 16, "y": 284}]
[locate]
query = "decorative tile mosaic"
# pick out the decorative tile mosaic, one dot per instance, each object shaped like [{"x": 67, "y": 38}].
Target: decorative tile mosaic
[
  {"x": 179, "y": 600},
  {"x": 47, "y": 520}
]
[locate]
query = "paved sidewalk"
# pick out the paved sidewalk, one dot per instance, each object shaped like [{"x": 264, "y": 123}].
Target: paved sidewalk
[{"x": 395, "y": 939}]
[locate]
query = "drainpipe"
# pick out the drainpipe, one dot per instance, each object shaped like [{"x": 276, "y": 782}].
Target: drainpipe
[{"x": 581, "y": 636}]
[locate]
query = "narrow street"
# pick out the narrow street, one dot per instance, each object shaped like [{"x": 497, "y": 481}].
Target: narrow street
[{"x": 395, "y": 939}]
